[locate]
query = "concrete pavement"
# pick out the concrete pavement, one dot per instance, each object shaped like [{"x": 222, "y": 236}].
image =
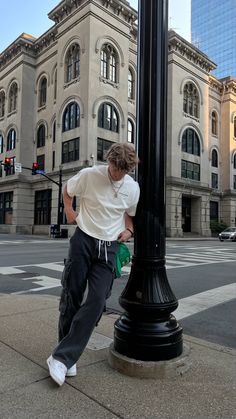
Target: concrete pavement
[{"x": 28, "y": 333}]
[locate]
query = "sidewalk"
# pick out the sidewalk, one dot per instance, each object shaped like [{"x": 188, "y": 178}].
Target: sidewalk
[{"x": 28, "y": 327}]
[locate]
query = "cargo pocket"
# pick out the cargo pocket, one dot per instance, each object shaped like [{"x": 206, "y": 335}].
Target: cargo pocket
[{"x": 64, "y": 301}]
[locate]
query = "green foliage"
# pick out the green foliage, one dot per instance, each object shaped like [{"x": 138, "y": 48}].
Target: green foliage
[{"x": 217, "y": 226}]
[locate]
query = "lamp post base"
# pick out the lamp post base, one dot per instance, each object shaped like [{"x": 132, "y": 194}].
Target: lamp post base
[
  {"x": 150, "y": 369},
  {"x": 148, "y": 340}
]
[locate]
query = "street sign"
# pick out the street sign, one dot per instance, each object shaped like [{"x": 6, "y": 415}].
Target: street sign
[{"x": 18, "y": 167}]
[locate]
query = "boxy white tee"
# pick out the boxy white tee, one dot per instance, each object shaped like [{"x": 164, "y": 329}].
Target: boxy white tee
[{"x": 102, "y": 213}]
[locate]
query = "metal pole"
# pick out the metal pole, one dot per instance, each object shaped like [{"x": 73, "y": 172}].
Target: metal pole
[
  {"x": 147, "y": 330},
  {"x": 59, "y": 206}
]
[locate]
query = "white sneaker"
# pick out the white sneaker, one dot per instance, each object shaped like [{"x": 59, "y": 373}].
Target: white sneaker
[
  {"x": 72, "y": 371},
  {"x": 57, "y": 370}
]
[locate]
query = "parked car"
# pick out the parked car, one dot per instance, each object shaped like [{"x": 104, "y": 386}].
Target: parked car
[{"x": 228, "y": 234}]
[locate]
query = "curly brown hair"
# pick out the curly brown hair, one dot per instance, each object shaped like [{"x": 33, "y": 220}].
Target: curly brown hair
[{"x": 122, "y": 156}]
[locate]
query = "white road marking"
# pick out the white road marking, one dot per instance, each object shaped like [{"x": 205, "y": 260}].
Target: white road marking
[
  {"x": 52, "y": 266},
  {"x": 199, "y": 302},
  {"x": 45, "y": 282},
  {"x": 9, "y": 270}
]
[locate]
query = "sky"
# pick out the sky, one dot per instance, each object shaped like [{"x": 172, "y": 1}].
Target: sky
[{"x": 29, "y": 16}]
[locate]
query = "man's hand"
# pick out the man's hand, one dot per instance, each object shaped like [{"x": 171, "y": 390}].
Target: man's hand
[
  {"x": 71, "y": 216},
  {"x": 124, "y": 236}
]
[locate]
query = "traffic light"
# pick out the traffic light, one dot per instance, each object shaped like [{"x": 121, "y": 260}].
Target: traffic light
[
  {"x": 7, "y": 165},
  {"x": 35, "y": 167}
]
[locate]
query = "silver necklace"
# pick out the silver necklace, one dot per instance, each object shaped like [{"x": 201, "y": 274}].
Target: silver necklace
[{"x": 114, "y": 187}]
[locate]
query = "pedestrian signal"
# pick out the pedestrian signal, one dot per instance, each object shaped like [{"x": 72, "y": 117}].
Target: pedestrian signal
[
  {"x": 7, "y": 165},
  {"x": 35, "y": 167}
]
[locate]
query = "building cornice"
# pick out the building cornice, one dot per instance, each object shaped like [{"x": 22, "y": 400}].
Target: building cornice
[
  {"x": 27, "y": 44},
  {"x": 216, "y": 84},
  {"x": 229, "y": 85},
  {"x": 189, "y": 52},
  {"x": 23, "y": 43},
  {"x": 45, "y": 40},
  {"x": 119, "y": 7}
]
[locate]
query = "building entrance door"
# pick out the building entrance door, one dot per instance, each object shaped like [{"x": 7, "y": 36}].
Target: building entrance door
[{"x": 186, "y": 214}]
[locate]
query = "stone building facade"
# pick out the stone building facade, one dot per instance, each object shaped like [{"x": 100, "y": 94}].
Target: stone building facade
[{"x": 67, "y": 96}]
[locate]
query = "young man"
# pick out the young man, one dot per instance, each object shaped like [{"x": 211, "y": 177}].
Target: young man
[{"x": 108, "y": 199}]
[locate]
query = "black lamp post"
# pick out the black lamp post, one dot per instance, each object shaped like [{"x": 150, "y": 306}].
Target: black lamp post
[
  {"x": 59, "y": 204},
  {"x": 147, "y": 330}
]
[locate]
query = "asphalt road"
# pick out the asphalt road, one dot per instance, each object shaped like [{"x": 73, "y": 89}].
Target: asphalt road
[{"x": 201, "y": 275}]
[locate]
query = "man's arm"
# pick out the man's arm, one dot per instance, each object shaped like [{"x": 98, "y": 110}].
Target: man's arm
[
  {"x": 125, "y": 235},
  {"x": 70, "y": 213}
]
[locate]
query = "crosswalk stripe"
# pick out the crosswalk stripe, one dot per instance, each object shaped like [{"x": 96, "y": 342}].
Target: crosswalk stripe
[
  {"x": 204, "y": 300},
  {"x": 52, "y": 266},
  {"x": 10, "y": 270}
]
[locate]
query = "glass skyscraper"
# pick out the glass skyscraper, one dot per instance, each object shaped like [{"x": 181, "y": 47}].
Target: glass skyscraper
[{"x": 213, "y": 30}]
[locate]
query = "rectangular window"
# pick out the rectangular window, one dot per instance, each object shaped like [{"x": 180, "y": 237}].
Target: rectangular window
[
  {"x": 190, "y": 170},
  {"x": 53, "y": 160},
  {"x": 107, "y": 117},
  {"x": 6, "y": 207},
  {"x": 54, "y": 132},
  {"x": 103, "y": 64},
  {"x": 102, "y": 147},
  {"x": 70, "y": 150},
  {"x": 214, "y": 180},
  {"x": 234, "y": 182},
  {"x": 214, "y": 211},
  {"x": 190, "y": 141},
  {"x": 41, "y": 162},
  {"x": 42, "y": 207}
]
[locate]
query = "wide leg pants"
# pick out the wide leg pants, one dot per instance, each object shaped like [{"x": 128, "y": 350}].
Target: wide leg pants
[{"x": 90, "y": 262}]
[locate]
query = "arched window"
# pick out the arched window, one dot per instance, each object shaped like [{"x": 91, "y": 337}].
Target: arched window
[
  {"x": 55, "y": 85},
  {"x": 2, "y": 104},
  {"x": 109, "y": 63},
  {"x": 72, "y": 63},
  {"x": 130, "y": 84},
  {"x": 54, "y": 132},
  {"x": 214, "y": 123},
  {"x": 214, "y": 158},
  {"x": 190, "y": 142},
  {"x": 234, "y": 161},
  {"x": 191, "y": 100},
  {"x": 1, "y": 144},
  {"x": 43, "y": 92},
  {"x": 41, "y": 136},
  {"x": 12, "y": 97},
  {"x": 11, "y": 140},
  {"x": 235, "y": 127},
  {"x": 108, "y": 117},
  {"x": 130, "y": 136},
  {"x": 71, "y": 117}
]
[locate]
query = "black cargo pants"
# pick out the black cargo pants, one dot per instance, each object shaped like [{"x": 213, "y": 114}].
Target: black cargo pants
[{"x": 90, "y": 261}]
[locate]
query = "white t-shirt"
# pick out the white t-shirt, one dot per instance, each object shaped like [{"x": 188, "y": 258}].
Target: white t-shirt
[{"x": 102, "y": 214}]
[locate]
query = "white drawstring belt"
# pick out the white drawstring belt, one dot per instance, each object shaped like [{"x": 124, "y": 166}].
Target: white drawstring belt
[{"x": 105, "y": 244}]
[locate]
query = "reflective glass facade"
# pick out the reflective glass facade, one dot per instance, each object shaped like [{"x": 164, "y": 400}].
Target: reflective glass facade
[{"x": 213, "y": 28}]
